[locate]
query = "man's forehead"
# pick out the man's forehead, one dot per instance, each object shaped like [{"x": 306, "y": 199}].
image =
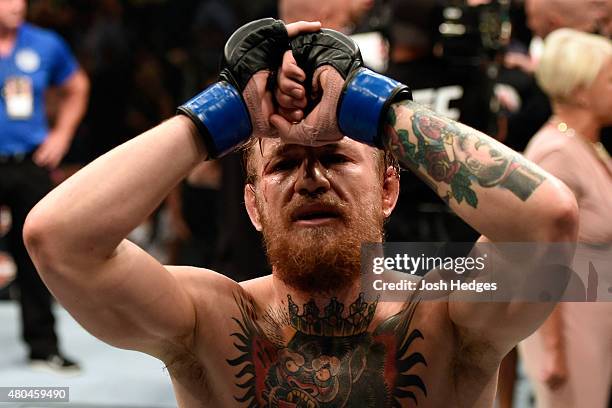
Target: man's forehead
[{"x": 271, "y": 147}]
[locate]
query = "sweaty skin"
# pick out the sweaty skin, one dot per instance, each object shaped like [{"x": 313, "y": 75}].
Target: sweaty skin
[{"x": 285, "y": 340}]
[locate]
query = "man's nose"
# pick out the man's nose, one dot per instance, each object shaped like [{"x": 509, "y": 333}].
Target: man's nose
[{"x": 312, "y": 178}]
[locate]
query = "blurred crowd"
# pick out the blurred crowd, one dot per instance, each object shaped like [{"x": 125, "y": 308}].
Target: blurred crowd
[
  {"x": 142, "y": 57},
  {"x": 473, "y": 60}
]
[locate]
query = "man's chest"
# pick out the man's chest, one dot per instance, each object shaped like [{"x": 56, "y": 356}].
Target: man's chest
[{"x": 404, "y": 360}]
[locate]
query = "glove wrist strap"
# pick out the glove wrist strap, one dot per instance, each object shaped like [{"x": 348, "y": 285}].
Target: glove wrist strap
[
  {"x": 221, "y": 117},
  {"x": 364, "y": 102}
]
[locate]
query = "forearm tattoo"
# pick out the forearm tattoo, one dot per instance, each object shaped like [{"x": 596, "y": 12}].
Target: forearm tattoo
[
  {"x": 445, "y": 152},
  {"x": 330, "y": 359}
]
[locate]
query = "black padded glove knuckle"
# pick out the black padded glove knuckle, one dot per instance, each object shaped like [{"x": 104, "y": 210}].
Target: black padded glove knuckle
[
  {"x": 255, "y": 46},
  {"x": 366, "y": 95},
  {"x": 219, "y": 112},
  {"x": 326, "y": 47}
]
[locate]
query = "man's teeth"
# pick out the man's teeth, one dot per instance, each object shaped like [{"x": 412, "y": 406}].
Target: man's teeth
[{"x": 299, "y": 396}]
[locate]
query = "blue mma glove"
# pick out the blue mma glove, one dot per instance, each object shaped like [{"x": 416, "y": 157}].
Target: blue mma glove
[
  {"x": 220, "y": 112},
  {"x": 366, "y": 95}
]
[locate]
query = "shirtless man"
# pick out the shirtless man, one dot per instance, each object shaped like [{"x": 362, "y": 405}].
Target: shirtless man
[{"x": 304, "y": 336}]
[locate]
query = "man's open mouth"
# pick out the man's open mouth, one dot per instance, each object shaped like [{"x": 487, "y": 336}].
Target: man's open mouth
[{"x": 315, "y": 214}]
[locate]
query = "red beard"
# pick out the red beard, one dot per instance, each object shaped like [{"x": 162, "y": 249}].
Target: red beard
[{"x": 320, "y": 259}]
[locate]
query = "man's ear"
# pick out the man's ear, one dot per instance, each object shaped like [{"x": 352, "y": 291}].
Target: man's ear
[
  {"x": 390, "y": 190},
  {"x": 250, "y": 202}
]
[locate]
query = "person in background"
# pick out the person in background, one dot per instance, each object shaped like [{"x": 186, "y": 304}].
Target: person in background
[
  {"x": 569, "y": 359},
  {"x": 534, "y": 108},
  {"x": 543, "y": 17},
  {"x": 546, "y": 16},
  {"x": 31, "y": 61}
]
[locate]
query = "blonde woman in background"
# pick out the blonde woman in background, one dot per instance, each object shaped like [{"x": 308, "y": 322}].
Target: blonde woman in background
[{"x": 569, "y": 359}]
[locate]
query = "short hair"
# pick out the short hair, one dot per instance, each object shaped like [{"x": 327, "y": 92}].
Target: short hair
[
  {"x": 247, "y": 159},
  {"x": 571, "y": 59},
  {"x": 384, "y": 159}
]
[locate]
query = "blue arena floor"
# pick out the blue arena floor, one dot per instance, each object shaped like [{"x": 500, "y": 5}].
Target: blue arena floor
[{"x": 111, "y": 378}]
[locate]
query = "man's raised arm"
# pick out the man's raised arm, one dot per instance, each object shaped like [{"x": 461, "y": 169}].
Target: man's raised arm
[
  {"x": 499, "y": 193},
  {"x": 493, "y": 188},
  {"x": 76, "y": 235}
]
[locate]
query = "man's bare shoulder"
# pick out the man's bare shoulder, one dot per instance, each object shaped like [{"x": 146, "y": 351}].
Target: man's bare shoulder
[
  {"x": 259, "y": 289},
  {"x": 216, "y": 296},
  {"x": 193, "y": 276},
  {"x": 200, "y": 282},
  {"x": 213, "y": 294}
]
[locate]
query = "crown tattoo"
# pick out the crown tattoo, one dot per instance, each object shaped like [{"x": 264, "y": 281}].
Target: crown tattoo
[{"x": 331, "y": 323}]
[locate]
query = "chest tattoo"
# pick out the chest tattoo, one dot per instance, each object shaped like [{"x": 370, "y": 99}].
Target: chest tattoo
[{"x": 331, "y": 359}]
